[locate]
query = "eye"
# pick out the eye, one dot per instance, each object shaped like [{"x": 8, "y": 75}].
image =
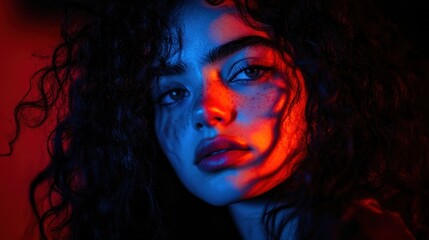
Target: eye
[
  {"x": 172, "y": 96},
  {"x": 250, "y": 73}
]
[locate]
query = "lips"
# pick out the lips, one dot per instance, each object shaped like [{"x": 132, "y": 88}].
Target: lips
[{"x": 220, "y": 152}]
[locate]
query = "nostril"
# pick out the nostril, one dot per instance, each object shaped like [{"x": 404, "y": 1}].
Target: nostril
[
  {"x": 216, "y": 120},
  {"x": 199, "y": 125},
  {"x": 210, "y": 116}
]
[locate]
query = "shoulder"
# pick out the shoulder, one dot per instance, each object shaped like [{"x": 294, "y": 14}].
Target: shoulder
[{"x": 368, "y": 219}]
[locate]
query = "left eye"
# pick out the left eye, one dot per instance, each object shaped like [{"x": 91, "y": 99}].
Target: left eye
[{"x": 250, "y": 73}]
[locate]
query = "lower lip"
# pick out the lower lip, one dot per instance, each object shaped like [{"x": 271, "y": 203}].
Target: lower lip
[{"x": 223, "y": 160}]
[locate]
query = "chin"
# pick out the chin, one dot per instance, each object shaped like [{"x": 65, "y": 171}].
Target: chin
[{"x": 222, "y": 198}]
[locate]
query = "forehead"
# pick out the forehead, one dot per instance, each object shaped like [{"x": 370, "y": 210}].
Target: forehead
[
  {"x": 217, "y": 22},
  {"x": 203, "y": 26}
]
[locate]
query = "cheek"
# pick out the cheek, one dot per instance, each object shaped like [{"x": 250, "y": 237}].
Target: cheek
[
  {"x": 265, "y": 102},
  {"x": 281, "y": 141},
  {"x": 171, "y": 126},
  {"x": 262, "y": 107},
  {"x": 260, "y": 115}
]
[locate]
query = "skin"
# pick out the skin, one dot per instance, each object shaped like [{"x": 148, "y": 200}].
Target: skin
[{"x": 245, "y": 96}]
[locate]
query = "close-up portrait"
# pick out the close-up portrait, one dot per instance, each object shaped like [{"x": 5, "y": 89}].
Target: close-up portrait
[{"x": 214, "y": 119}]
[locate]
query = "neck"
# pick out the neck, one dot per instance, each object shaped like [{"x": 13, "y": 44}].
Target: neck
[{"x": 247, "y": 216}]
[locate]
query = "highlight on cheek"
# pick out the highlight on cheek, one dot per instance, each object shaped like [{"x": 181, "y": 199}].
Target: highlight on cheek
[
  {"x": 275, "y": 166},
  {"x": 279, "y": 105},
  {"x": 284, "y": 146}
]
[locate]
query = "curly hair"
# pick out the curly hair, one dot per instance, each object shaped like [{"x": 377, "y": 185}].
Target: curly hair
[{"x": 107, "y": 178}]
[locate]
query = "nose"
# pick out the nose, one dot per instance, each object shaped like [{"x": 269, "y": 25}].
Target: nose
[{"x": 212, "y": 112}]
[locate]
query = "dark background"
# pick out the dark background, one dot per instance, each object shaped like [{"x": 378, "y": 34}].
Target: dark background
[{"x": 31, "y": 27}]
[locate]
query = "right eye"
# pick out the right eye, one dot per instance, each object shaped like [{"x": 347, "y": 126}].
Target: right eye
[{"x": 172, "y": 96}]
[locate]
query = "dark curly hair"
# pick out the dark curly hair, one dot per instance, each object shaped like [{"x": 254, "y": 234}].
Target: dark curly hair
[{"x": 107, "y": 178}]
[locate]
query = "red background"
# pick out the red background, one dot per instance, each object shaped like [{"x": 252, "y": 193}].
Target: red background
[{"x": 23, "y": 33}]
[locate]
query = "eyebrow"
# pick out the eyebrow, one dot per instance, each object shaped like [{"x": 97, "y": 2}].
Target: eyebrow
[
  {"x": 220, "y": 52},
  {"x": 234, "y": 46}
]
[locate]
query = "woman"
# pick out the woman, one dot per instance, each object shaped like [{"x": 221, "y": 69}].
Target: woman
[{"x": 287, "y": 117}]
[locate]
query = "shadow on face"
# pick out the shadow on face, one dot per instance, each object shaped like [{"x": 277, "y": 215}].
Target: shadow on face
[{"x": 229, "y": 106}]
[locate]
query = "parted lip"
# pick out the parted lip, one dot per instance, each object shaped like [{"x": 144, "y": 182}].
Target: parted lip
[{"x": 211, "y": 146}]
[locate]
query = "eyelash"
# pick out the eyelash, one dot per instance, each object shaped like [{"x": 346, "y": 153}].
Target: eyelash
[
  {"x": 161, "y": 100},
  {"x": 263, "y": 72},
  {"x": 262, "y": 75}
]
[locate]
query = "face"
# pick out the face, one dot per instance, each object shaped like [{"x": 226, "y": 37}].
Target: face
[{"x": 224, "y": 112}]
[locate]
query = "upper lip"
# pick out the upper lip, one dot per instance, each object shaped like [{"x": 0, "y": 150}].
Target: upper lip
[{"x": 221, "y": 143}]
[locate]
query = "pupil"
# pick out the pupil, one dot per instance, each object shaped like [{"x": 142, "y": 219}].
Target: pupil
[
  {"x": 251, "y": 72},
  {"x": 175, "y": 94}
]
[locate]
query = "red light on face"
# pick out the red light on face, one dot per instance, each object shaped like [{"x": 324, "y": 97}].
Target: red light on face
[{"x": 238, "y": 87}]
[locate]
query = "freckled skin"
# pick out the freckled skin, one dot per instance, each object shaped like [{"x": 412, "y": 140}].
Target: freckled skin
[{"x": 250, "y": 113}]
